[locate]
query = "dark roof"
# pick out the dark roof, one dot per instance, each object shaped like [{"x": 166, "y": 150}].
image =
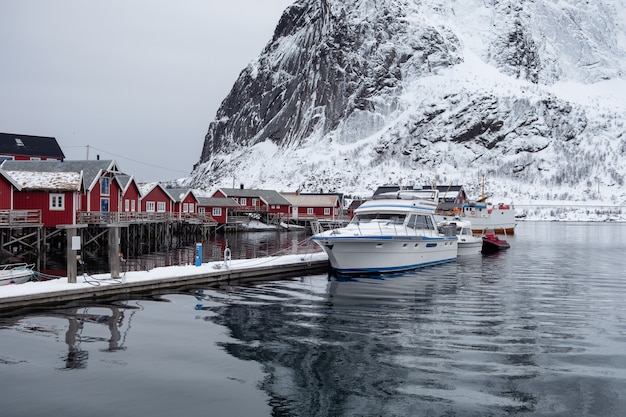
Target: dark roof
[
  {"x": 217, "y": 202},
  {"x": 269, "y": 196},
  {"x": 179, "y": 194},
  {"x": 33, "y": 146}
]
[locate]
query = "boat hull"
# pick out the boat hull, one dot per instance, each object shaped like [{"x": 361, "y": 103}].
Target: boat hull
[
  {"x": 15, "y": 276},
  {"x": 383, "y": 254},
  {"x": 472, "y": 247},
  {"x": 492, "y": 244}
]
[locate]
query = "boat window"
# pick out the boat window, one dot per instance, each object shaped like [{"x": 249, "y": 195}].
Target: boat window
[
  {"x": 391, "y": 218},
  {"x": 420, "y": 221}
]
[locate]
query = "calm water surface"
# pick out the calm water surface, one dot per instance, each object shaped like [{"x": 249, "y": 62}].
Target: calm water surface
[{"x": 538, "y": 330}]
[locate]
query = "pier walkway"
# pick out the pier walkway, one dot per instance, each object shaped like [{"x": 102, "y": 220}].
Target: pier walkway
[{"x": 46, "y": 293}]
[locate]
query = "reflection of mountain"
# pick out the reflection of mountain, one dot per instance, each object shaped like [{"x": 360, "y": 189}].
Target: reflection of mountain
[{"x": 332, "y": 348}]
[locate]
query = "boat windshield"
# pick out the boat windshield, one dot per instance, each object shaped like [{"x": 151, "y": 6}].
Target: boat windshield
[
  {"x": 421, "y": 221},
  {"x": 387, "y": 218}
]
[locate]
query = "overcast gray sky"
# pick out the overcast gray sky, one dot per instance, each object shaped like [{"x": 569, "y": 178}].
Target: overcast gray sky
[{"x": 138, "y": 81}]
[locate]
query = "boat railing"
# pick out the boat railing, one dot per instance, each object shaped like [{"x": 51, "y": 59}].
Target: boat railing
[{"x": 19, "y": 265}]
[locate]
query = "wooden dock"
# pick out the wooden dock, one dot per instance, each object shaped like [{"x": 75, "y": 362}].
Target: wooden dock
[{"x": 15, "y": 299}]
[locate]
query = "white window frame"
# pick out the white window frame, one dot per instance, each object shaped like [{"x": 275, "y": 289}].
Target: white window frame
[
  {"x": 201, "y": 210},
  {"x": 132, "y": 205},
  {"x": 126, "y": 204},
  {"x": 161, "y": 207},
  {"x": 217, "y": 211},
  {"x": 185, "y": 207},
  {"x": 57, "y": 202},
  {"x": 310, "y": 210},
  {"x": 150, "y": 206},
  {"x": 326, "y": 211},
  {"x": 243, "y": 201}
]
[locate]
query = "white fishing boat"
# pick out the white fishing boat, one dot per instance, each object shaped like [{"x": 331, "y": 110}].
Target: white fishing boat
[
  {"x": 469, "y": 243},
  {"x": 388, "y": 235},
  {"x": 16, "y": 273}
]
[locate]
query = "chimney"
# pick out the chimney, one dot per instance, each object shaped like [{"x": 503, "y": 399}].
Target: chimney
[{"x": 241, "y": 186}]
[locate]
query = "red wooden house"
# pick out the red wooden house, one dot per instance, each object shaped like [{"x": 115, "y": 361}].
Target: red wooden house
[
  {"x": 155, "y": 199},
  {"x": 185, "y": 202},
  {"x": 130, "y": 193},
  {"x": 260, "y": 201},
  {"x": 314, "y": 206},
  {"x": 102, "y": 192},
  {"x": 7, "y": 188},
  {"x": 217, "y": 208},
  {"x": 56, "y": 194}
]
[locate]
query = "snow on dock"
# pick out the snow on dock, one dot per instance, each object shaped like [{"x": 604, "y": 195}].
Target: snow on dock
[{"x": 36, "y": 293}]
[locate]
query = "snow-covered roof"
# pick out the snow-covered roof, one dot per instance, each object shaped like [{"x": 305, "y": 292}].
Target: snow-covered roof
[
  {"x": 91, "y": 169},
  {"x": 312, "y": 200},
  {"x": 53, "y": 181}
]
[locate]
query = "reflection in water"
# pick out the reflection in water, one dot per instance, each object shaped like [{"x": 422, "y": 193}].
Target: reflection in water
[
  {"x": 486, "y": 335},
  {"x": 370, "y": 346},
  {"x": 78, "y": 336},
  {"x": 537, "y": 330}
]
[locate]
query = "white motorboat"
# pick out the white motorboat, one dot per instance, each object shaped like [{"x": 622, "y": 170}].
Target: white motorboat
[
  {"x": 388, "y": 235},
  {"x": 468, "y": 242},
  {"x": 16, "y": 273}
]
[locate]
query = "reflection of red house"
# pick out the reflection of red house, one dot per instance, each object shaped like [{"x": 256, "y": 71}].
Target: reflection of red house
[
  {"x": 217, "y": 208},
  {"x": 155, "y": 199},
  {"x": 262, "y": 201},
  {"x": 56, "y": 194}
]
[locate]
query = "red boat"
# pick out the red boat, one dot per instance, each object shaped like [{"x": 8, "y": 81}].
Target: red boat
[{"x": 492, "y": 243}]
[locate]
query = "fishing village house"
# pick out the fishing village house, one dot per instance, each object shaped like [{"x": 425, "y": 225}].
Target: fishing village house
[
  {"x": 29, "y": 148},
  {"x": 130, "y": 195},
  {"x": 156, "y": 201},
  {"x": 7, "y": 187},
  {"x": 220, "y": 209},
  {"x": 55, "y": 195},
  {"x": 268, "y": 202},
  {"x": 314, "y": 206},
  {"x": 100, "y": 194},
  {"x": 185, "y": 202}
]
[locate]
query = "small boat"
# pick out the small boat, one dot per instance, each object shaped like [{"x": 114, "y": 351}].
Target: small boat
[
  {"x": 16, "y": 273},
  {"x": 492, "y": 243},
  {"x": 468, "y": 242},
  {"x": 392, "y": 234}
]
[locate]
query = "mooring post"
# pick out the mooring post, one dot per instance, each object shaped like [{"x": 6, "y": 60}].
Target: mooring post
[
  {"x": 115, "y": 255},
  {"x": 72, "y": 247},
  {"x": 114, "y": 251}
]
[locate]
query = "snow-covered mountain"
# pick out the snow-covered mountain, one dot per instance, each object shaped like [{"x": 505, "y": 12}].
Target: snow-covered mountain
[{"x": 352, "y": 94}]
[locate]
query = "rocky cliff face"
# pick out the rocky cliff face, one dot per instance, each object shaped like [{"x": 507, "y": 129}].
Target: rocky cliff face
[{"x": 350, "y": 94}]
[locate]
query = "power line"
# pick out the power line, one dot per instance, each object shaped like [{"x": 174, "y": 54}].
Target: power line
[{"x": 130, "y": 159}]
